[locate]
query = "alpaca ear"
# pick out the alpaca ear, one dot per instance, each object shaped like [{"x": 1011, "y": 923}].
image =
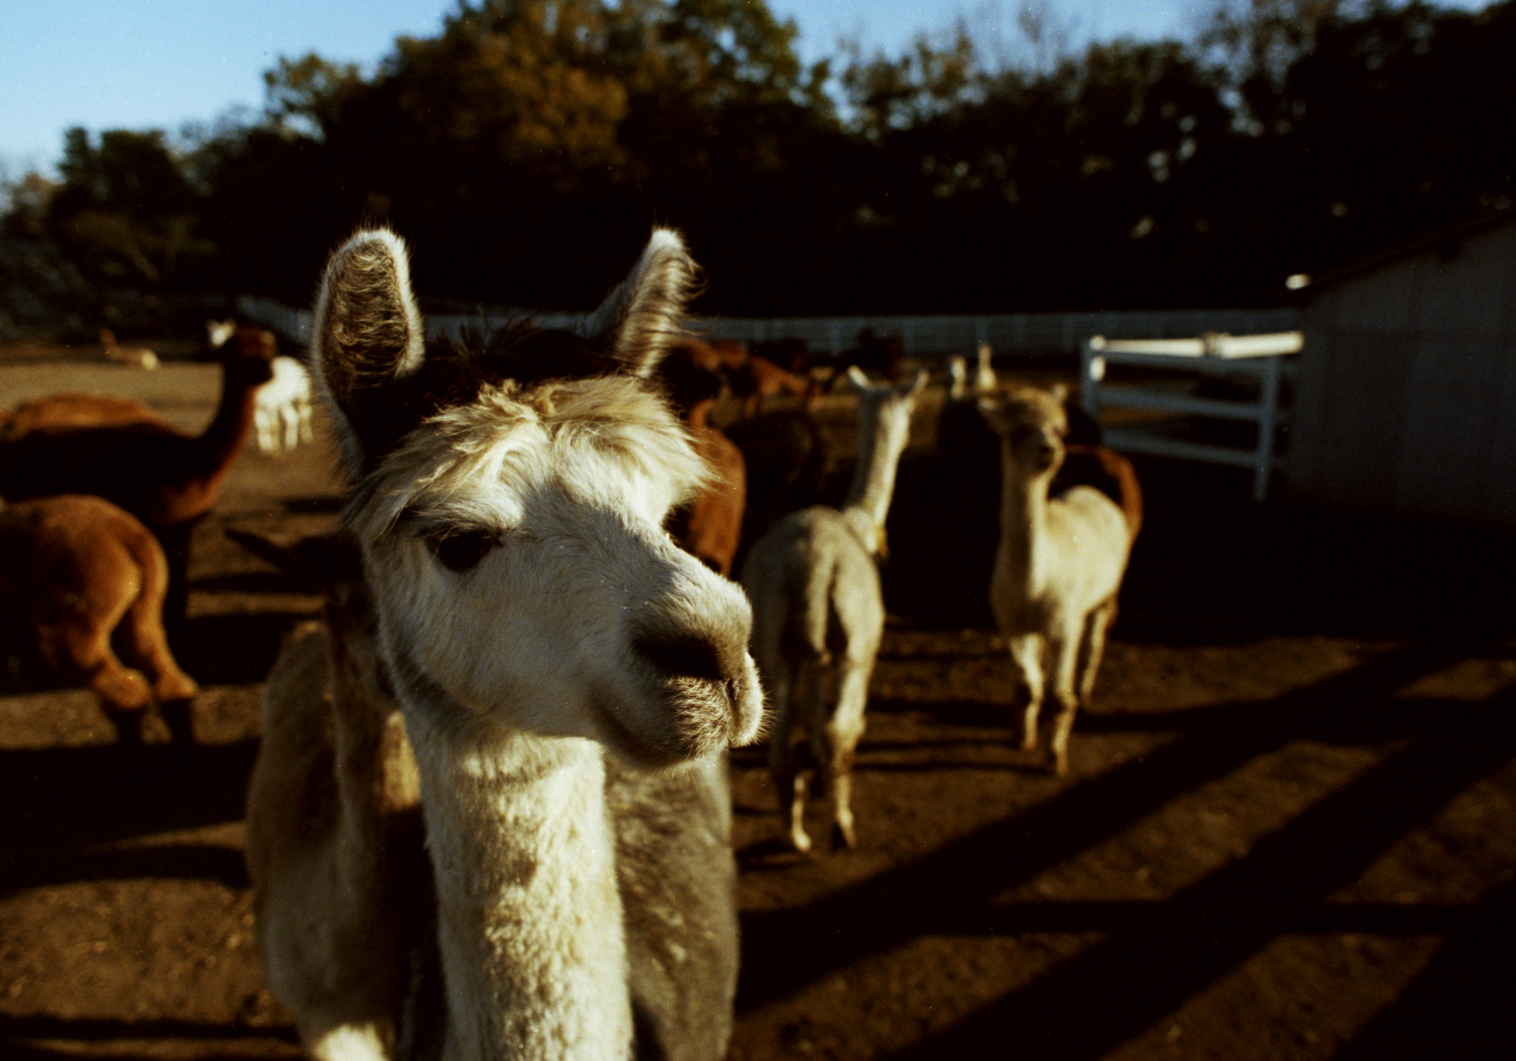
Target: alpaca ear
[
  {"x": 916, "y": 386},
  {"x": 644, "y": 315},
  {"x": 1060, "y": 392},
  {"x": 858, "y": 379},
  {"x": 366, "y": 336}
]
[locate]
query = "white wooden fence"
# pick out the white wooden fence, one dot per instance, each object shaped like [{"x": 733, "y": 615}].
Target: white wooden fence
[
  {"x": 934, "y": 336},
  {"x": 1261, "y": 358}
]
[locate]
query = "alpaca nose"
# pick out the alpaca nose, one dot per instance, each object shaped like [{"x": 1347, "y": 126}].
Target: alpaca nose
[{"x": 681, "y": 655}]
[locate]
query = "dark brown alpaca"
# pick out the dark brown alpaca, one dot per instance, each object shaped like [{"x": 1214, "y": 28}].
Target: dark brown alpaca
[
  {"x": 124, "y": 452},
  {"x": 709, "y": 527},
  {"x": 74, "y": 569}
]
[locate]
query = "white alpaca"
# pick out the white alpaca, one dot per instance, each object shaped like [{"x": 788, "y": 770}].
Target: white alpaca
[
  {"x": 984, "y": 374},
  {"x": 533, "y": 615},
  {"x": 1060, "y": 560},
  {"x": 334, "y": 837},
  {"x": 282, "y": 416},
  {"x": 817, "y": 606},
  {"x": 282, "y": 413}
]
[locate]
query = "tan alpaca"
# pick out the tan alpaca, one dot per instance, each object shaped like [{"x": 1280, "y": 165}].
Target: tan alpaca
[
  {"x": 140, "y": 356},
  {"x": 74, "y": 570},
  {"x": 818, "y": 608},
  {"x": 335, "y": 851},
  {"x": 536, "y": 619},
  {"x": 1060, "y": 561}
]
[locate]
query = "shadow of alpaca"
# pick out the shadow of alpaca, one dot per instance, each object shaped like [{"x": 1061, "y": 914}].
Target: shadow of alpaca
[
  {"x": 73, "y": 811},
  {"x": 1157, "y": 953},
  {"x": 23, "y": 1038}
]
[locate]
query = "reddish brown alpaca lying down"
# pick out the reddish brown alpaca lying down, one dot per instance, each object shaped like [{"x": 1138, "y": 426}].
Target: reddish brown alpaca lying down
[{"x": 73, "y": 571}]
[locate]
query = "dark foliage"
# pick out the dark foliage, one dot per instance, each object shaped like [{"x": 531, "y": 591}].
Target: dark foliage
[{"x": 527, "y": 148}]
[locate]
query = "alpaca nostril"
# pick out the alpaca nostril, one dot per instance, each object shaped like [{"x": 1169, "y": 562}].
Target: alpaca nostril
[{"x": 684, "y": 657}]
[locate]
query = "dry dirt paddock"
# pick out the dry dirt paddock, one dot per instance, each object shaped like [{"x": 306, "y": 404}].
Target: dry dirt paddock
[{"x": 1289, "y": 829}]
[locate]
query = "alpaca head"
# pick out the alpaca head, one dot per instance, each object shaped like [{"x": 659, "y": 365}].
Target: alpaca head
[
  {"x": 1032, "y": 424},
  {"x": 884, "y": 411},
  {"x": 510, "y": 504}
]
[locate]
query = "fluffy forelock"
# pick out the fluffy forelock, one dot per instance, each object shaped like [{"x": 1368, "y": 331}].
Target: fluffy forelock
[{"x": 579, "y": 431}]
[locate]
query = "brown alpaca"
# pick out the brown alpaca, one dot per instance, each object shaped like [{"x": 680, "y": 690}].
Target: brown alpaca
[
  {"x": 59, "y": 411},
  {"x": 124, "y": 452},
  {"x": 754, "y": 378},
  {"x": 709, "y": 526},
  {"x": 74, "y": 569}
]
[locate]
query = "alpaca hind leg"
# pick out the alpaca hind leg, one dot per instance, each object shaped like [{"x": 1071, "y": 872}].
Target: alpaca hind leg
[
  {"x": 1026, "y": 658},
  {"x": 147, "y": 645},
  {"x": 307, "y": 433},
  {"x": 290, "y": 417},
  {"x": 843, "y": 732},
  {"x": 125, "y": 695},
  {"x": 263, "y": 425},
  {"x": 788, "y": 764}
]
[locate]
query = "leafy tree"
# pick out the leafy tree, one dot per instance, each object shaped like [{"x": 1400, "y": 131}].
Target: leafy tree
[{"x": 125, "y": 206}]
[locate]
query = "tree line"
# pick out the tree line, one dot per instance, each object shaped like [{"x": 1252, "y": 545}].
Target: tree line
[{"x": 525, "y": 149}]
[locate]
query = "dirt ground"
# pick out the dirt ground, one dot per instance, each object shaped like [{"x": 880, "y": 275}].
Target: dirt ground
[{"x": 1288, "y": 832}]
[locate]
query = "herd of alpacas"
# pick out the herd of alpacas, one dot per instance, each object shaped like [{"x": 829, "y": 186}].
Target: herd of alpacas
[{"x": 489, "y": 816}]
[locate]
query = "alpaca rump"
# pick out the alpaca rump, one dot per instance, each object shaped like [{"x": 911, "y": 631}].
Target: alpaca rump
[
  {"x": 547, "y": 643},
  {"x": 76, "y": 571}
]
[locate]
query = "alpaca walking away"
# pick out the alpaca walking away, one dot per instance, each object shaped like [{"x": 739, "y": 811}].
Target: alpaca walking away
[
  {"x": 124, "y": 452},
  {"x": 1060, "y": 561},
  {"x": 818, "y": 608},
  {"x": 335, "y": 846},
  {"x": 536, "y": 620},
  {"x": 74, "y": 571}
]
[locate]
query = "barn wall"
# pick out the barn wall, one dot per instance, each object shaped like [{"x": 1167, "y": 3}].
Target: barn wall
[{"x": 1406, "y": 394}]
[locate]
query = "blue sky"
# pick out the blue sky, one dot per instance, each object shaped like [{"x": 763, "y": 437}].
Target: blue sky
[{"x": 158, "y": 64}]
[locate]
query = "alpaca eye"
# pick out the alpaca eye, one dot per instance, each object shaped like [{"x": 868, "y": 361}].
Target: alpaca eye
[{"x": 462, "y": 550}]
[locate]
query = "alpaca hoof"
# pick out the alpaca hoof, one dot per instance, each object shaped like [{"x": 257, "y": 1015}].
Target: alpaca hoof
[
  {"x": 843, "y": 837},
  {"x": 178, "y": 717}
]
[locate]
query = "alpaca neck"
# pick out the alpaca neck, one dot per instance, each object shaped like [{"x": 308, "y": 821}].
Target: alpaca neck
[
  {"x": 529, "y": 917},
  {"x": 223, "y": 438},
  {"x": 1023, "y": 517},
  {"x": 868, "y": 499},
  {"x": 377, "y": 782}
]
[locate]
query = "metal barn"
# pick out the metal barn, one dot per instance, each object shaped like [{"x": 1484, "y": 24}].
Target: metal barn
[{"x": 1405, "y": 399}]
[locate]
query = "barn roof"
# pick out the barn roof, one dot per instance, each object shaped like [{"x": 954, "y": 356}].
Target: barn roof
[{"x": 1446, "y": 243}]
